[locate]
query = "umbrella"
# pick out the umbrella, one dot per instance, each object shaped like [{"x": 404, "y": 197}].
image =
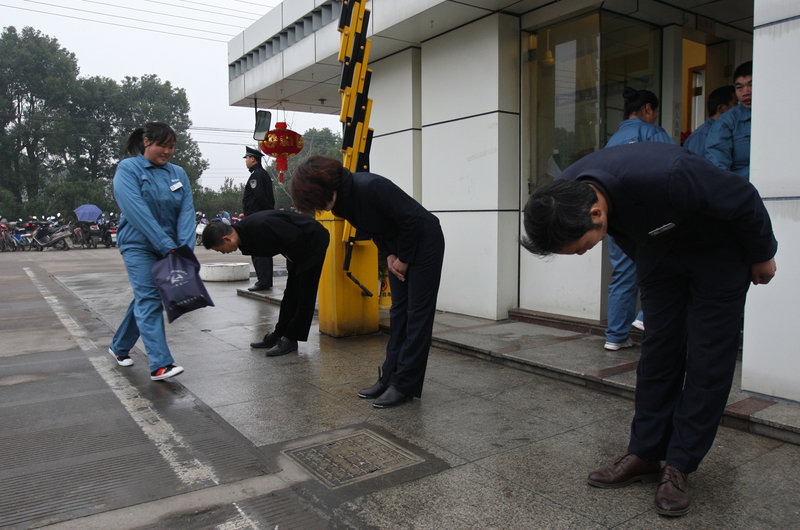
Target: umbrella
[{"x": 87, "y": 212}]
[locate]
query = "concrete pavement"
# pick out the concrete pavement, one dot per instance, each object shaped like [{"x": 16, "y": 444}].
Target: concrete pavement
[{"x": 513, "y": 416}]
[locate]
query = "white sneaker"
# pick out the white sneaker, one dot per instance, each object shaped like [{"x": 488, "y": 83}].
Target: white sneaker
[
  {"x": 122, "y": 360},
  {"x": 614, "y": 346},
  {"x": 638, "y": 324},
  {"x": 166, "y": 372}
]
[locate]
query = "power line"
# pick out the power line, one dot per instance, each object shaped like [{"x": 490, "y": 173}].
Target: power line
[
  {"x": 113, "y": 24},
  {"x": 212, "y": 5},
  {"x": 126, "y": 18},
  {"x": 162, "y": 14},
  {"x": 201, "y": 10}
]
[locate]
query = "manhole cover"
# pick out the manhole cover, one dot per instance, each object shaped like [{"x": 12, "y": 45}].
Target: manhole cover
[{"x": 358, "y": 456}]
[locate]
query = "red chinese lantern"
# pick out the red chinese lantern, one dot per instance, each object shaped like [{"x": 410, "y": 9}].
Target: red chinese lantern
[{"x": 281, "y": 143}]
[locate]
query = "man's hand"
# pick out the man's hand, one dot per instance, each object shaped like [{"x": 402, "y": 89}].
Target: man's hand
[
  {"x": 762, "y": 273},
  {"x": 397, "y": 267}
]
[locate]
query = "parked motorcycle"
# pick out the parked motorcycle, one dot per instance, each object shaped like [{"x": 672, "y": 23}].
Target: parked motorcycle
[
  {"x": 198, "y": 229},
  {"x": 49, "y": 233}
]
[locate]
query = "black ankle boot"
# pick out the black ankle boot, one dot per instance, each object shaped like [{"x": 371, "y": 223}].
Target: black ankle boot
[{"x": 375, "y": 390}]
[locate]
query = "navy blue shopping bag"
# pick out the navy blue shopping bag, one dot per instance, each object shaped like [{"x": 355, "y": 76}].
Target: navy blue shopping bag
[{"x": 178, "y": 279}]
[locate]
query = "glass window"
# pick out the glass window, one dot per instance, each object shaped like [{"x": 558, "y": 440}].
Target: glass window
[{"x": 579, "y": 69}]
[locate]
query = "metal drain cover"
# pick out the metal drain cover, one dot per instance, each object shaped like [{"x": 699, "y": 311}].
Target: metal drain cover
[{"x": 357, "y": 456}]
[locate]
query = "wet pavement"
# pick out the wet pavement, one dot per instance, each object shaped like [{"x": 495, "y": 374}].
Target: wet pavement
[{"x": 512, "y": 418}]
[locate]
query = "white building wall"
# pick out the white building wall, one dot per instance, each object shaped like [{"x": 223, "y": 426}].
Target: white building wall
[
  {"x": 770, "y": 360},
  {"x": 470, "y": 161},
  {"x": 396, "y": 120}
]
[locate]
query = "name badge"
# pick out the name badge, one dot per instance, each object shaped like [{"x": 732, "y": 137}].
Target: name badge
[
  {"x": 176, "y": 186},
  {"x": 661, "y": 229}
]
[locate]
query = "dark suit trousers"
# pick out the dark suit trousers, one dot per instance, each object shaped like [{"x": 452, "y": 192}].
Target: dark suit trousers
[
  {"x": 693, "y": 304},
  {"x": 411, "y": 316},
  {"x": 300, "y": 295},
  {"x": 263, "y": 267}
]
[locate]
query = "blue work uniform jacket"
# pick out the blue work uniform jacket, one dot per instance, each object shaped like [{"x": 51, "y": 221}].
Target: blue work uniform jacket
[
  {"x": 157, "y": 212},
  {"x": 634, "y": 130},
  {"x": 728, "y": 141},
  {"x": 379, "y": 209},
  {"x": 696, "y": 142},
  {"x": 663, "y": 198}
]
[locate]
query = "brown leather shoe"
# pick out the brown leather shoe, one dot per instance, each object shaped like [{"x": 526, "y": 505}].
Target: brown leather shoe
[
  {"x": 672, "y": 495},
  {"x": 628, "y": 469}
]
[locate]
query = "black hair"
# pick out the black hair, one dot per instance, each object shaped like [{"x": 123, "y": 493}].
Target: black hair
[
  {"x": 743, "y": 70},
  {"x": 721, "y": 96},
  {"x": 213, "y": 233},
  {"x": 635, "y": 100},
  {"x": 155, "y": 131},
  {"x": 557, "y": 214}
]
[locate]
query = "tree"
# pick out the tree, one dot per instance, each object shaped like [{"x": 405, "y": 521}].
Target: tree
[
  {"x": 61, "y": 136},
  {"x": 37, "y": 77}
]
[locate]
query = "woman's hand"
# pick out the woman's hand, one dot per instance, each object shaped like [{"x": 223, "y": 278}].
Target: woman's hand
[
  {"x": 397, "y": 267},
  {"x": 762, "y": 273}
]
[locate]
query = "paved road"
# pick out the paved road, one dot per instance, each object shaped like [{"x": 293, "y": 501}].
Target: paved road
[{"x": 242, "y": 441}]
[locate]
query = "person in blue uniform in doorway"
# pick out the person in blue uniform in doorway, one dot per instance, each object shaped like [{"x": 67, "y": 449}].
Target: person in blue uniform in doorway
[
  {"x": 719, "y": 102},
  {"x": 258, "y": 196},
  {"x": 641, "y": 108},
  {"x": 728, "y": 141},
  {"x": 157, "y": 216},
  {"x": 411, "y": 238},
  {"x": 699, "y": 236}
]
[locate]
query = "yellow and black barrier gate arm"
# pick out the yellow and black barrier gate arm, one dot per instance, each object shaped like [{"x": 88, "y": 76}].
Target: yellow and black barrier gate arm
[
  {"x": 356, "y": 108},
  {"x": 347, "y": 305}
]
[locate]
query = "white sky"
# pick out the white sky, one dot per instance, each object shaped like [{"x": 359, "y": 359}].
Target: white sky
[{"x": 181, "y": 41}]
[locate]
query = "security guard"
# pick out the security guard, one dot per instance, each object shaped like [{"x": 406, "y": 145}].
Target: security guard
[
  {"x": 258, "y": 196},
  {"x": 304, "y": 242},
  {"x": 699, "y": 235}
]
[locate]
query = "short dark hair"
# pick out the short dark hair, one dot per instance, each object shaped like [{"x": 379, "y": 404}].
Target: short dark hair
[
  {"x": 314, "y": 181},
  {"x": 156, "y": 131},
  {"x": 557, "y": 214},
  {"x": 636, "y": 99},
  {"x": 721, "y": 96},
  {"x": 213, "y": 233},
  {"x": 743, "y": 70}
]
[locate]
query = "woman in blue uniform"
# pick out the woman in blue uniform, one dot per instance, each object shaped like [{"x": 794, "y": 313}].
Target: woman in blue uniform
[
  {"x": 157, "y": 216},
  {"x": 412, "y": 240},
  {"x": 641, "y": 108}
]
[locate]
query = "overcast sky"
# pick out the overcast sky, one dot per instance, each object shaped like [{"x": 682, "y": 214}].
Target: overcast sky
[{"x": 181, "y": 41}]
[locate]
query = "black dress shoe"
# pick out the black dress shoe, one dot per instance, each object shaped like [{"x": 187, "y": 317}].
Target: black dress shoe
[
  {"x": 258, "y": 287},
  {"x": 283, "y": 347},
  {"x": 391, "y": 398},
  {"x": 270, "y": 340},
  {"x": 373, "y": 391}
]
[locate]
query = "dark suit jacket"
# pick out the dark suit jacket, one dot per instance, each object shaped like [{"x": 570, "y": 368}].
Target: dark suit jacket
[
  {"x": 381, "y": 210},
  {"x": 298, "y": 237},
  {"x": 258, "y": 194},
  {"x": 663, "y": 198}
]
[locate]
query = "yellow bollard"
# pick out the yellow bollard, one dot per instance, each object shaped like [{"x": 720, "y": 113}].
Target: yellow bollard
[{"x": 343, "y": 309}]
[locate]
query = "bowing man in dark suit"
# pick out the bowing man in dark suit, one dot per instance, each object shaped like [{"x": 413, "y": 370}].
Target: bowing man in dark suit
[
  {"x": 412, "y": 240},
  {"x": 304, "y": 242},
  {"x": 258, "y": 196},
  {"x": 698, "y": 235}
]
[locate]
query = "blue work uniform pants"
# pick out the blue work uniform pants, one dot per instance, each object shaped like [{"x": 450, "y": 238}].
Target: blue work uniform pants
[
  {"x": 622, "y": 292},
  {"x": 694, "y": 303},
  {"x": 412, "y": 314},
  {"x": 145, "y": 313}
]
